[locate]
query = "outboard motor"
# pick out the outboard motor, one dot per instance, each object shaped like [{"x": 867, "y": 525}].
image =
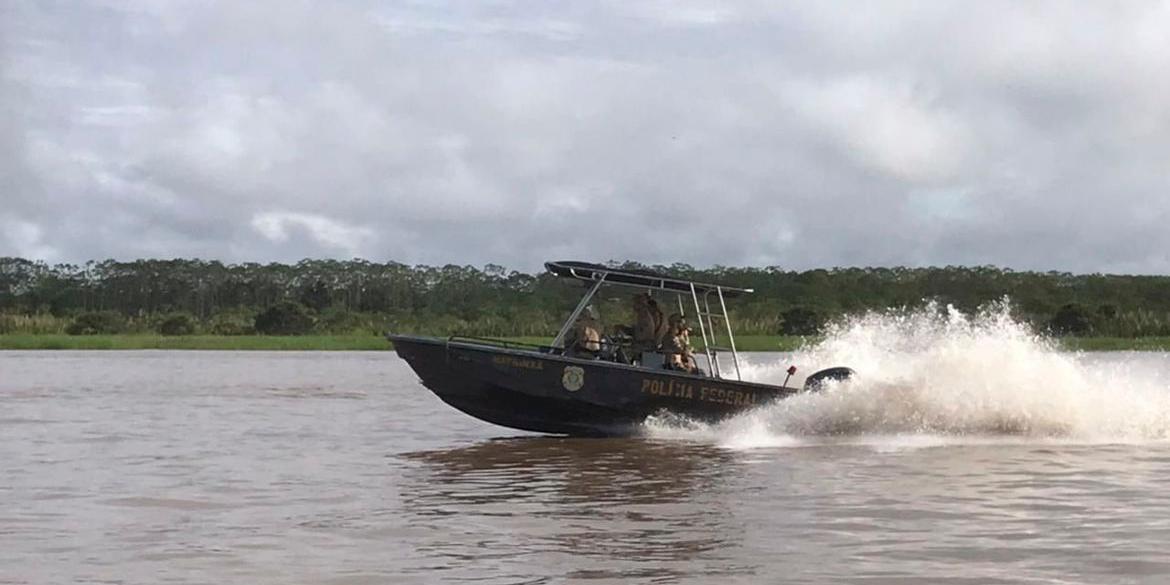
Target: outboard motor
[{"x": 816, "y": 382}]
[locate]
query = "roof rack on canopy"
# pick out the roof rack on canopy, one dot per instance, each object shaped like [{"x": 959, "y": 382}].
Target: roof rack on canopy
[{"x": 648, "y": 279}]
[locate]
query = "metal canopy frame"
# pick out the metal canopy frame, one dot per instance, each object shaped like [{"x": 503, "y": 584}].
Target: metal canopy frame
[
  {"x": 646, "y": 280},
  {"x": 637, "y": 278},
  {"x": 560, "y": 338}
]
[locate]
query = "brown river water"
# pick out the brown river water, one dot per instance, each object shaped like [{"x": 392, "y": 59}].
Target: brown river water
[{"x": 339, "y": 468}]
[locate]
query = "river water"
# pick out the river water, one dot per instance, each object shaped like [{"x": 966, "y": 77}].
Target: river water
[{"x": 339, "y": 468}]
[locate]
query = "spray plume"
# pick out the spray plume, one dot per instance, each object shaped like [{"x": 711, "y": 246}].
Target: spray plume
[{"x": 937, "y": 374}]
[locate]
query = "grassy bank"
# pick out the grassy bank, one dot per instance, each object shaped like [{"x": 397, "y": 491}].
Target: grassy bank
[
  {"x": 1116, "y": 343},
  {"x": 374, "y": 342},
  {"x": 218, "y": 342}
]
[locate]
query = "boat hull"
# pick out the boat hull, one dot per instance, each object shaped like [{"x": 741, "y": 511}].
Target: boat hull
[{"x": 549, "y": 393}]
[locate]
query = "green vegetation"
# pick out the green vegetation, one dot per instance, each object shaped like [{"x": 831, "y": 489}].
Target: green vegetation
[
  {"x": 801, "y": 321},
  {"x": 1071, "y": 319},
  {"x": 177, "y": 324},
  {"x": 284, "y": 318},
  {"x": 97, "y": 322},
  {"x": 214, "y": 342},
  {"x": 349, "y": 304},
  {"x": 1116, "y": 343}
]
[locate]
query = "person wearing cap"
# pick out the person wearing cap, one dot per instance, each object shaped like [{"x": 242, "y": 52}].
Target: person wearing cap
[{"x": 677, "y": 345}]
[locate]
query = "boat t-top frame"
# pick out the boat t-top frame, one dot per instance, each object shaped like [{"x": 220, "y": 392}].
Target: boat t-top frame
[{"x": 700, "y": 294}]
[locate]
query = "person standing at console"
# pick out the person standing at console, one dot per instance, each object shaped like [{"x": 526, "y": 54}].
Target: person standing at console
[{"x": 647, "y": 323}]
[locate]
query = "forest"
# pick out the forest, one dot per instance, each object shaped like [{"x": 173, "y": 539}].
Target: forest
[{"x": 195, "y": 296}]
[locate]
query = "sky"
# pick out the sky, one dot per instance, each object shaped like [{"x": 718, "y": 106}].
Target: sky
[{"x": 1022, "y": 134}]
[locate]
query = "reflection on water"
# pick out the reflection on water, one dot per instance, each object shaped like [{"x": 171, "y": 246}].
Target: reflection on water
[
  {"x": 632, "y": 507},
  {"x": 574, "y": 471}
]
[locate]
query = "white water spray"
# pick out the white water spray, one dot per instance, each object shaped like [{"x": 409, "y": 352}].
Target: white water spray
[{"x": 941, "y": 376}]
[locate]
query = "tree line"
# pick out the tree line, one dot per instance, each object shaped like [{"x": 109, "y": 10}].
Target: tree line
[{"x": 359, "y": 296}]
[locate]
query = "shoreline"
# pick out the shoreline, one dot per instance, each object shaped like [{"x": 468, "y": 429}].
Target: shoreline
[{"x": 746, "y": 343}]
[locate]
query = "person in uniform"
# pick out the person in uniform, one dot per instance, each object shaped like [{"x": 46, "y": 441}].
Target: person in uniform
[
  {"x": 661, "y": 327},
  {"x": 584, "y": 338},
  {"x": 677, "y": 345},
  {"x": 647, "y": 320}
]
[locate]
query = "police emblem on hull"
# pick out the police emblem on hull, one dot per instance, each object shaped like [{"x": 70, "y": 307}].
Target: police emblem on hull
[{"x": 573, "y": 378}]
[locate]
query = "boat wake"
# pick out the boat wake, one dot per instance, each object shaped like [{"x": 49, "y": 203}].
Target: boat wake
[{"x": 937, "y": 376}]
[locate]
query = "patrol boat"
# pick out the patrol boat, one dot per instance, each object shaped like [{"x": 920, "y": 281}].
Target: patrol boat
[{"x": 551, "y": 389}]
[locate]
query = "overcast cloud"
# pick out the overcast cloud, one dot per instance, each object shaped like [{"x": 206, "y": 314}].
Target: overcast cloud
[{"x": 1030, "y": 135}]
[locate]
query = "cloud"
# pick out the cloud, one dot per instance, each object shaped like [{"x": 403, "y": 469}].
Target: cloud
[
  {"x": 276, "y": 226},
  {"x": 1028, "y": 135},
  {"x": 887, "y": 126},
  {"x": 26, "y": 239}
]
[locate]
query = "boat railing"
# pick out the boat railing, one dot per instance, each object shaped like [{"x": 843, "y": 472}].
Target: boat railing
[
  {"x": 609, "y": 352},
  {"x": 504, "y": 343}
]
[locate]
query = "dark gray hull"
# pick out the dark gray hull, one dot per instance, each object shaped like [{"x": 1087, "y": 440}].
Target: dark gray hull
[{"x": 549, "y": 393}]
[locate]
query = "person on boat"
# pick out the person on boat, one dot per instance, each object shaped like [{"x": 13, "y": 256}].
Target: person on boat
[
  {"x": 584, "y": 338},
  {"x": 661, "y": 326},
  {"x": 647, "y": 323},
  {"x": 621, "y": 342},
  {"x": 677, "y": 346}
]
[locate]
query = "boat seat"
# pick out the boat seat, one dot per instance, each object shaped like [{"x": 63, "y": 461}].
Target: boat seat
[{"x": 652, "y": 359}]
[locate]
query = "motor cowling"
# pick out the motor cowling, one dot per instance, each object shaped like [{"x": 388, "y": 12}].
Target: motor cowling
[{"x": 816, "y": 381}]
